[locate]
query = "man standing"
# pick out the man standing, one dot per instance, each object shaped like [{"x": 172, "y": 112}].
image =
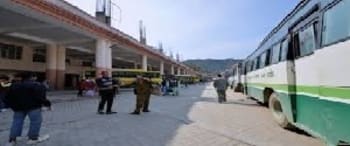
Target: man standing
[
  {"x": 105, "y": 86},
  {"x": 26, "y": 98},
  {"x": 221, "y": 85},
  {"x": 149, "y": 89},
  {"x": 142, "y": 89},
  {"x": 163, "y": 86}
]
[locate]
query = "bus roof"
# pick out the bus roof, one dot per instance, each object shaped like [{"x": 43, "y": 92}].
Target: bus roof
[
  {"x": 133, "y": 70},
  {"x": 281, "y": 30}
]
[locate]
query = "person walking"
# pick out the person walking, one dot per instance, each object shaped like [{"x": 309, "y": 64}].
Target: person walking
[
  {"x": 105, "y": 85},
  {"x": 141, "y": 90},
  {"x": 221, "y": 86},
  {"x": 4, "y": 86},
  {"x": 163, "y": 86},
  {"x": 26, "y": 98}
]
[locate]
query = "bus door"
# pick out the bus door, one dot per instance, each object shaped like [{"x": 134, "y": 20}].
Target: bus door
[{"x": 301, "y": 69}]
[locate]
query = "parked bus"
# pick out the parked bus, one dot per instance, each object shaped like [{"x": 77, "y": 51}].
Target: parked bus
[
  {"x": 127, "y": 77},
  {"x": 238, "y": 77},
  {"x": 301, "y": 70},
  {"x": 187, "y": 79}
]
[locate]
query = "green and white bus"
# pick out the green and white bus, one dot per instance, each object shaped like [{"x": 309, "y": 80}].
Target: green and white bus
[
  {"x": 301, "y": 70},
  {"x": 238, "y": 80}
]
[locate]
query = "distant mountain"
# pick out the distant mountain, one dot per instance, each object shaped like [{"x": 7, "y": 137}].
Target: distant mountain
[{"x": 211, "y": 66}]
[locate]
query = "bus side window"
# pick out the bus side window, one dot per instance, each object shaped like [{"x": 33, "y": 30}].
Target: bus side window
[
  {"x": 257, "y": 63},
  {"x": 252, "y": 65},
  {"x": 307, "y": 41},
  {"x": 284, "y": 50},
  {"x": 293, "y": 47},
  {"x": 276, "y": 49},
  {"x": 296, "y": 46},
  {"x": 268, "y": 57},
  {"x": 336, "y": 23},
  {"x": 262, "y": 60}
]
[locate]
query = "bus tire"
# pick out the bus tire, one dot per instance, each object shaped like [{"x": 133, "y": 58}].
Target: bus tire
[
  {"x": 267, "y": 93},
  {"x": 277, "y": 112}
]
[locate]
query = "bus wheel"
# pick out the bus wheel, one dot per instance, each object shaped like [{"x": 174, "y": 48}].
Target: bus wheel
[{"x": 277, "y": 111}]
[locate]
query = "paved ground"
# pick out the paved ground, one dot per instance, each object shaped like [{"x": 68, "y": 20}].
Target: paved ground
[{"x": 191, "y": 119}]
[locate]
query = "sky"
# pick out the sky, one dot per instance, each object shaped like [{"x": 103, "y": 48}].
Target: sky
[{"x": 198, "y": 29}]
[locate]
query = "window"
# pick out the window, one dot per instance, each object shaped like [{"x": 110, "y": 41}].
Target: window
[
  {"x": 252, "y": 66},
  {"x": 68, "y": 61},
  {"x": 87, "y": 64},
  {"x": 336, "y": 23},
  {"x": 268, "y": 57},
  {"x": 262, "y": 60},
  {"x": 39, "y": 54},
  {"x": 257, "y": 63},
  {"x": 284, "y": 50},
  {"x": 4, "y": 51},
  {"x": 307, "y": 41},
  {"x": 11, "y": 51},
  {"x": 90, "y": 74},
  {"x": 276, "y": 53},
  {"x": 247, "y": 66}
]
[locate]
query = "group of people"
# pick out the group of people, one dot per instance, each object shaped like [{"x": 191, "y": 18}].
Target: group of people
[
  {"x": 86, "y": 87},
  {"x": 108, "y": 88},
  {"x": 26, "y": 97},
  {"x": 169, "y": 86}
]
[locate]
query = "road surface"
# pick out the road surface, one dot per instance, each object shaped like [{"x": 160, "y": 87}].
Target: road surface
[{"x": 192, "y": 119}]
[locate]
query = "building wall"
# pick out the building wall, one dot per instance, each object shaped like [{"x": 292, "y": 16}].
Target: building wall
[
  {"x": 24, "y": 64},
  {"x": 11, "y": 66}
]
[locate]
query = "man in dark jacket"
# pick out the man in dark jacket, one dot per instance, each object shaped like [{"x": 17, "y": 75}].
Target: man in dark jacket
[
  {"x": 26, "y": 98},
  {"x": 106, "y": 86}
]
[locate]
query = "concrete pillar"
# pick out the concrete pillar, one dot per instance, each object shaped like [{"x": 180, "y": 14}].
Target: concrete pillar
[
  {"x": 178, "y": 71},
  {"x": 172, "y": 70},
  {"x": 144, "y": 62},
  {"x": 61, "y": 67},
  {"x": 51, "y": 64},
  {"x": 109, "y": 58},
  {"x": 162, "y": 68},
  {"x": 103, "y": 56}
]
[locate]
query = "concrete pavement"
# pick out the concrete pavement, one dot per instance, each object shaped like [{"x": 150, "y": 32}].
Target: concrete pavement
[{"x": 194, "y": 118}]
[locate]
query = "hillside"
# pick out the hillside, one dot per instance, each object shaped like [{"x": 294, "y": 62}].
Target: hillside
[{"x": 211, "y": 65}]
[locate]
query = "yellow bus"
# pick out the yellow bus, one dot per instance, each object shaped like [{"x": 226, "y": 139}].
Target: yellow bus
[
  {"x": 189, "y": 79},
  {"x": 127, "y": 77}
]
